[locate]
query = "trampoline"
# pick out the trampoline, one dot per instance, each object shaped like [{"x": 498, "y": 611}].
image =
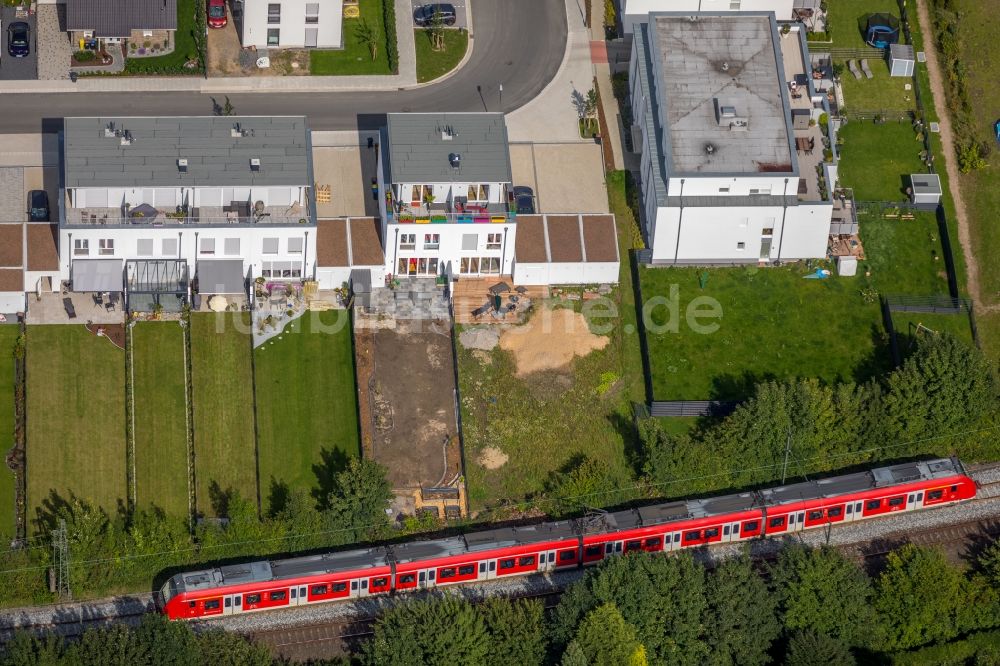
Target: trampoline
[{"x": 881, "y": 30}]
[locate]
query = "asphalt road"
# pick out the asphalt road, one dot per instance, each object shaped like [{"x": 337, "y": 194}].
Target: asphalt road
[{"x": 517, "y": 42}]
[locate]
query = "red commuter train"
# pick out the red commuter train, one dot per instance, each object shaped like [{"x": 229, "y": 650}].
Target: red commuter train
[{"x": 518, "y": 551}]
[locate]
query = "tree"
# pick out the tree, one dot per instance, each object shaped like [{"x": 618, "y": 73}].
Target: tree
[
  {"x": 741, "y": 622},
  {"x": 808, "y": 648},
  {"x": 443, "y": 630},
  {"x": 582, "y": 482},
  {"x": 367, "y": 34},
  {"x": 606, "y": 639},
  {"x": 517, "y": 631},
  {"x": 435, "y": 31},
  {"x": 989, "y": 563},
  {"x": 361, "y": 495},
  {"x": 676, "y": 463},
  {"x": 818, "y": 589}
]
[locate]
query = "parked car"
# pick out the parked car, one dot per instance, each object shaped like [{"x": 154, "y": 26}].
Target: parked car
[
  {"x": 19, "y": 39},
  {"x": 424, "y": 15},
  {"x": 38, "y": 206},
  {"x": 217, "y": 14},
  {"x": 524, "y": 200}
]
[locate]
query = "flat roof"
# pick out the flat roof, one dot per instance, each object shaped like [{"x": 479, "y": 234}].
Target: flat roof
[
  {"x": 566, "y": 239},
  {"x": 43, "y": 246},
  {"x": 721, "y": 87},
  {"x": 420, "y": 146},
  {"x": 114, "y": 151},
  {"x": 11, "y": 244},
  {"x": 926, "y": 183}
]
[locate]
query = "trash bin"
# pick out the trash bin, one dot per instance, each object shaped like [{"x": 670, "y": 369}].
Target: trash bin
[{"x": 73, "y": 77}]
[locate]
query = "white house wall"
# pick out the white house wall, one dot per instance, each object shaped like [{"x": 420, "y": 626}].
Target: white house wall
[
  {"x": 450, "y": 252},
  {"x": 636, "y": 11},
  {"x": 565, "y": 273},
  {"x": 293, "y": 24},
  {"x": 11, "y": 302},
  {"x": 333, "y": 278},
  {"x": 33, "y": 280}
]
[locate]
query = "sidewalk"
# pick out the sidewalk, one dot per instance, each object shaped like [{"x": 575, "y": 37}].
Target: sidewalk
[{"x": 407, "y": 77}]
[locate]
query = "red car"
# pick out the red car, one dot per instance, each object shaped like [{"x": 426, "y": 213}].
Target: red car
[{"x": 217, "y": 14}]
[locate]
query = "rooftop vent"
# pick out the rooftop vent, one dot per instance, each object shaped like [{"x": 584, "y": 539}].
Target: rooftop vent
[
  {"x": 126, "y": 137},
  {"x": 447, "y": 133},
  {"x": 255, "y": 164},
  {"x": 710, "y": 148},
  {"x": 182, "y": 165},
  {"x": 109, "y": 131},
  {"x": 727, "y": 115},
  {"x": 237, "y": 131},
  {"x": 724, "y": 67},
  {"x": 455, "y": 160}
]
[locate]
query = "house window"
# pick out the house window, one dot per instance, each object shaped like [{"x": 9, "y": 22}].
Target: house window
[
  {"x": 81, "y": 247},
  {"x": 407, "y": 241},
  {"x": 88, "y": 34},
  {"x": 106, "y": 246},
  {"x": 147, "y": 33},
  {"x": 470, "y": 242},
  {"x": 207, "y": 246},
  {"x": 760, "y": 190},
  {"x": 294, "y": 246},
  {"x": 767, "y": 231},
  {"x": 480, "y": 266},
  {"x": 280, "y": 269},
  {"x": 270, "y": 246},
  {"x": 432, "y": 241},
  {"x": 169, "y": 247},
  {"x": 417, "y": 266},
  {"x": 232, "y": 246},
  {"x": 312, "y": 12},
  {"x": 144, "y": 247},
  {"x": 273, "y": 37},
  {"x": 741, "y": 245},
  {"x": 493, "y": 241},
  {"x": 273, "y": 15},
  {"x": 723, "y": 190},
  {"x": 734, "y": 5},
  {"x": 415, "y": 195}
]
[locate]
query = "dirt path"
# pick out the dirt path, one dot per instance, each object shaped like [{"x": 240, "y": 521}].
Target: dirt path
[{"x": 951, "y": 162}]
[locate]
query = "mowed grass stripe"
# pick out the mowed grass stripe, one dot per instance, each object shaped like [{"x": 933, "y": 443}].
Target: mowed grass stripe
[
  {"x": 76, "y": 418},
  {"x": 306, "y": 399},
  {"x": 8, "y": 338},
  {"x": 161, "y": 457},
  {"x": 223, "y": 406}
]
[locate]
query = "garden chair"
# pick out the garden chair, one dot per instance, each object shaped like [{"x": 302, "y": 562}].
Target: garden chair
[
  {"x": 68, "y": 306},
  {"x": 853, "y": 68},
  {"x": 866, "y": 69}
]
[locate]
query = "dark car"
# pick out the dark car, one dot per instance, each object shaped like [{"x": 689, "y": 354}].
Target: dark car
[
  {"x": 424, "y": 15},
  {"x": 38, "y": 206},
  {"x": 524, "y": 200},
  {"x": 19, "y": 39}
]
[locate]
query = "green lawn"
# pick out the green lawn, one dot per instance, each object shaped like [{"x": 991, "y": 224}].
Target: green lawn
[
  {"x": 430, "y": 63},
  {"x": 843, "y": 18},
  {"x": 877, "y": 160},
  {"x": 306, "y": 399},
  {"x": 355, "y": 57},
  {"x": 225, "y": 455},
  {"x": 907, "y": 325},
  {"x": 880, "y": 93},
  {"x": 76, "y": 418},
  {"x": 185, "y": 48},
  {"x": 8, "y": 337},
  {"x": 901, "y": 255},
  {"x": 161, "y": 417}
]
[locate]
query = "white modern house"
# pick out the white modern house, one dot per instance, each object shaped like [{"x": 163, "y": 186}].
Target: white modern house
[
  {"x": 725, "y": 176},
  {"x": 636, "y": 11},
  {"x": 291, "y": 23},
  {"x": 221, "y": 199}
]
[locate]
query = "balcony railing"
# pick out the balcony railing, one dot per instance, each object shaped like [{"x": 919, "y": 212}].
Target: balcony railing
[{"x": 196, "y": 216}]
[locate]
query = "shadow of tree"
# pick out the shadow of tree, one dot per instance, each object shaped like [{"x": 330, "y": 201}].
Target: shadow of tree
[
  {"x": 332, "y": 462},
  {"x": 277, "y": 497},
  {"x": 219, "y": 499}
]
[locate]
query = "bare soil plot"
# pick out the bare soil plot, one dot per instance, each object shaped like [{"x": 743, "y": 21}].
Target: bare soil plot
[{"x": 550, "y": 340}]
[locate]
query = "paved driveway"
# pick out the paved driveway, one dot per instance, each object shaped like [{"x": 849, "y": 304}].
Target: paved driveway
[
  {"x": 54, "y": 47},
  {"x": 461, "y": 16},
  {"x": 17, "y": 68}
]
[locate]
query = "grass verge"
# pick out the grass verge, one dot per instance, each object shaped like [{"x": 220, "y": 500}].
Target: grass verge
[
  {"x": 8, "y": 338},
  {"x": 843, "y": 18},
  {"x": 306, "y": 403},
  {"x": 160, "y": 434},
  {"x": 76, "y": 419},
  {"x": 432, "y": 64},
  {"x": 186, "y": 42},
  {"x": 356, "y": 58},
  {"x": 225, "y": 455}
]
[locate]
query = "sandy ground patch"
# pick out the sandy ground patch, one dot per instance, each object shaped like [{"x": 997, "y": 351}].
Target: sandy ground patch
[
  {"x": 550, "y": 340},
  {"x": 492, "y": 458}
]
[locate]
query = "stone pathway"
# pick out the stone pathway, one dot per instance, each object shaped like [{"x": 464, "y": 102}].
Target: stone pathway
[{"x": 53, "y": 45}]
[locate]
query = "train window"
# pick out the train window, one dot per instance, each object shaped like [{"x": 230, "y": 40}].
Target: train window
[
  {"x": 380, "y": 582},
  {"x": 302, "y": 591},
  {"x": 212, "y": 605},
  {"x": 192, "y": 604},
  {"x": 815, "y": 515},
  {"x": 339, "y": 587},
  {"x": 364, "y": 586},
  {"x": 632, "y": 545},
  {"x": 447, "y": 573},
  {"x": 896, "y": 501},
  {"x": 229, "y": 602},
  {"x": 406, "y": 578},
  {"x": 507, "y": 564},
  {"x": 567, "y": 555},
  {"x": 736, "y": 528},
  {"x": 592, "y": 551},
  {"x": 850, "y": 508},
  {"x": 873, "y": 504},
  {"x": 466, "y": 569},
  {"x": 791, "y": 519},
  {"x": 750, "y": 526},
  {"x": 677, "y": 537},
  {"x": 239, "y": 600},
  {"x": 909, "y": 499},
  {"x": 430, "y": 575},
  {"x": 293, "y": 592},
  {"x": 253, "y": 598},
  {"x": 552, "y": 557},
  {"x": 920, "y": 496},
  {"x": 725, "y": 530},
  {"x": 354, "y": 585},
  {"x": 278, "y": 596},
  {"x": 935, "y": 494},
  {"x": 652, "y": 542},
  {"x": 526, "y": 561},
  {"x": 711, "y": 532},
  {"x": 482, "y": 567},
  {"x": 493, "y": 566},
  {"x": 609, "y": 548},
  {"x": 833, "y": 512},
  {"x": 691, "y": 536},
  {"x": 776, "y": 522},
  {"x": 954, "y": 489},
  {"x": 422, "y": 574},
  {"x": 318, "y": 589}
]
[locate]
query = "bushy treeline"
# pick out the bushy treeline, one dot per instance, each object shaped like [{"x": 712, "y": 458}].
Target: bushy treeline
[
  {"x": 943, "y": 400},
  {"x": 812, "y": 606}
]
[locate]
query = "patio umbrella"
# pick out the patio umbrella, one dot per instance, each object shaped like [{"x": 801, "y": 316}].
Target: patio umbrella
[
  {"x": 499, "y": 288},
  {"x": 217, "y": 303}
]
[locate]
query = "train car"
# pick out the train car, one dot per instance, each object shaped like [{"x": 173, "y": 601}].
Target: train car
[
  {"x": 267, "y": 585},
  {"x": 877, "y": 492}
]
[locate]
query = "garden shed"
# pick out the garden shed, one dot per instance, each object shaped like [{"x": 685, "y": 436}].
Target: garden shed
[
  {"x": 156, "y": 282},
  {"x": 902, "y": 60},
  {"x": 925, "y": 188}
]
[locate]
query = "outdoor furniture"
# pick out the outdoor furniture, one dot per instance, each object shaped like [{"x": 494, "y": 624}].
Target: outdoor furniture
[
  {"x": 68, "y": 306},
  {"x": 864, "y": 68},
  {"x": 481, "y": 310},
  {"x": 110, "y": 305},
  {"x": 521, "y": 289},
  {"x": 499, "y": 288},
  {"x": 143, "y": 212},
  {"x": 853, "y": 68},
  {"x": 114, "y": 297},
  {"x": 98, "y": 300}
]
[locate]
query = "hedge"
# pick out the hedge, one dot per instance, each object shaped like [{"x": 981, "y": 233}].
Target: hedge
[
  {"x": 391, "y": 48},
  {"x": 983, "y": 646}
]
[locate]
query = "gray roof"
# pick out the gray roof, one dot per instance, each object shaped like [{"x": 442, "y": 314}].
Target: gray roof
[
  {"x": 97, "y": 157},
  {"x": 118, "y": 18},
  {"x": 97, "y": 275},
  {"x": 926, "y": 183},
  {"x": 221, "y": 276},
  {"x": 722, "y": 91},
  {"x": 418, "y": 153},
  {"x": 901, "y": 52}
]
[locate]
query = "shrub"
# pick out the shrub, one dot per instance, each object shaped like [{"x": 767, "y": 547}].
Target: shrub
[
  {"x": 84, "y": 56},
  {"x": 818, "y": 36},
  {"x": 391, "y": 49}
]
